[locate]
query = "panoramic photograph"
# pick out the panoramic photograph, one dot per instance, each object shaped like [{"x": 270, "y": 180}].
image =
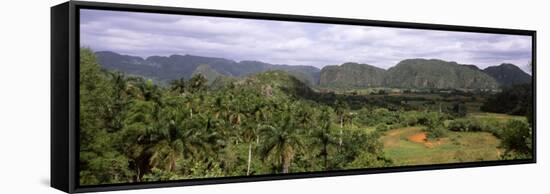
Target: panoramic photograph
[{"x": 168, "y": 97}]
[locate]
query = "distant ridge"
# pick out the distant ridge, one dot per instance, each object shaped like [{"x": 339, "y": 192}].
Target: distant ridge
[
  {"x": 178, "y": 66},
  {"x": 352, "y": 74},
  {"x": 439, "y": 74},
  {"x": 408, "y": 73}
]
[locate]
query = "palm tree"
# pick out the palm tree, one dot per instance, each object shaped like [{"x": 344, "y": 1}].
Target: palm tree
[
  {"x": 197, "y": 83},
  {"x": 348, "y": 118},
  {"x": 238, "y": 111},
  {"x": 219, "y": 107},
  {"x": 248, "y": 135},
  {"x": 119, "y": 100},
  {"x": 149, "y": 91},
  {"x": 120, "y": 83},
  {"x": 303, "y": 115},
  {"x": 184, "y": 138},
  {"x": 322, "y": 136},
  {"x": 341, "y": 108},
  {"x": 169, "y": 146},
  {"x": 161, "y": 135},
  {"x": 281, "y": 140},
  {"x": 199, "y": 136},
  {"x": 139, "y": 124},
  {"x": 241, "y": 114},
  {"x": 194, "y": 103},
  {"x": 178, "y": 85},
  {"x": 165, "y": 153}
]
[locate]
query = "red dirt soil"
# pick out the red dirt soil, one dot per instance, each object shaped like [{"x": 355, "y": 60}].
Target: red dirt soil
[
  {"x": 418, "y": 138},
  {"x": 421, "y": 138}
]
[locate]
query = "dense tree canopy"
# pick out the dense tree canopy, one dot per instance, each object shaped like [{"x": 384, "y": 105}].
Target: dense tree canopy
[{"x": 133, "y": 129}]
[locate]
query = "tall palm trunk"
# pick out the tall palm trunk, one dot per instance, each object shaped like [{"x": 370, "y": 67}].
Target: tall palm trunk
[
  {"x": 325, "y": 155},
  {"x": 285, "y": 166},
  {"x": 249, "y": 158},
  {"x": 341, "y": 130},
  {"x": 138, "y": 175}
]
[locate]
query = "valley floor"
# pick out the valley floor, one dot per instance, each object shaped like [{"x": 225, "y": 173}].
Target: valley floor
[{"x": 409, "y": 146}]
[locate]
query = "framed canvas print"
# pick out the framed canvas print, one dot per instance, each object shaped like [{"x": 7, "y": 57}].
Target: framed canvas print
[{"x": 147, "y": 96}]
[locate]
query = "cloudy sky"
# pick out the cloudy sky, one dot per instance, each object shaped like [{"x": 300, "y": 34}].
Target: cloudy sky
[{"x": 292, "y": 43}]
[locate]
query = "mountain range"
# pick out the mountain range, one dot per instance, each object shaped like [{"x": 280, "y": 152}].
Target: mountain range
[
  {"x": 409, "y": 73},
  {"x": 164, "y": 69}
]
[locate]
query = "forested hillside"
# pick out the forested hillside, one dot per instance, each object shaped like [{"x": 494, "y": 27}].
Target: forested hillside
[
  {"x": 421, "y": 73},
  {"x": 352, "y": 75},
  {"x": 508, "y": 74}
]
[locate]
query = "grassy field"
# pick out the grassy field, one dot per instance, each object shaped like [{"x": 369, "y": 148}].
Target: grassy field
[
  {"x": 495, "y": 116},
  {"x": 408, "y": 146}
]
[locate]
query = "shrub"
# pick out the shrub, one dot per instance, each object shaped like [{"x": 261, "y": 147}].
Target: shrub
[
  {"x": 355, "y": 143},
  {"x": 475, "y": 125},
  {"x": 517, "y": 139},
  {"x": 465, "y": 125},
  {"x": 492, "y": 126},
  {"x": 458, "y": 109},
  {"x": 376, "y": 116},
  {"x": 409, "y": 118},
  {"x": 458, "y": 125},
  {"x": 382, "y": 127},
  {"x": 434, "y": 126},
  {"x": 436, "y": 132},
  {"x": 369, "y": 160}
]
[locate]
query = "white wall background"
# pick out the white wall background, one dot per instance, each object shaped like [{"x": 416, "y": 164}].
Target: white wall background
[{"x": 25, "y": 97}]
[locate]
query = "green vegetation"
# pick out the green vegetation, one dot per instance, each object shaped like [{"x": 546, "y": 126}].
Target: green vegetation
[
  {"x": 422, "y": 73},
  {"x": 508, "y": 74},
  {"x": 515, "y": 100},
  {"x": 407, "y": 74},
  {"x": 134, "y": 129},
  {"x": 406, "y": 146},
  {"x": 165, "y": 69},
  {"x": 351, "y": 75},
  {"x": 517, "y": 141},
  {"x": 434, "y": 126}
]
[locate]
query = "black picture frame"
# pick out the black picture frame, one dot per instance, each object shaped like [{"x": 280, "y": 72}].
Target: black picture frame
[{"x": 64, "y": 93}]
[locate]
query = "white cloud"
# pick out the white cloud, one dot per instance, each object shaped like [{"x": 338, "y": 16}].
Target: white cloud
[{"x": 292, "y": 43}]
